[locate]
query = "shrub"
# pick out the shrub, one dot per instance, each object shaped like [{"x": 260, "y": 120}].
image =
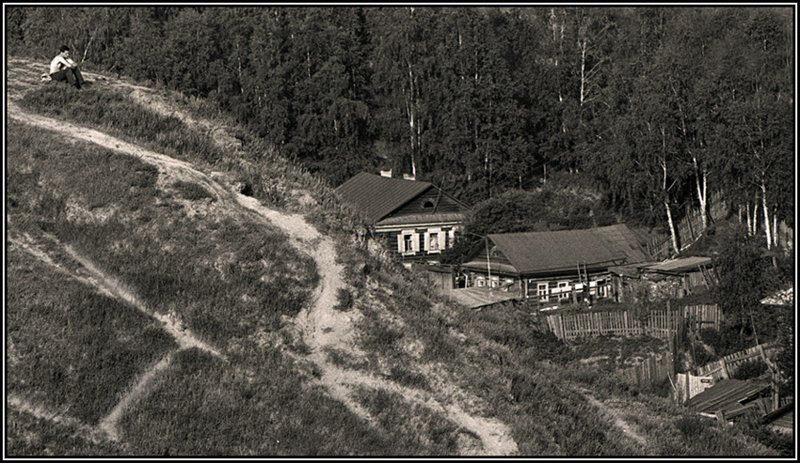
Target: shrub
[
  {"x": 751, "y": 369},
  {"x": 345, "y": 300},
  {"x": 191, "y": 191},
  {"x": 725, "y": 341},
  {"x": 690, "y": 426}
]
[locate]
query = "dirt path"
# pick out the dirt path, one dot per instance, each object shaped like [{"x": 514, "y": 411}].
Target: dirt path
[
  {"x": 322, "y": 327},
  {"x": 87, "y": 273},
  {"x": 109, "y": 424},
  {"x": 615, "y": 415},
  {"x": 83, "y": 430}
]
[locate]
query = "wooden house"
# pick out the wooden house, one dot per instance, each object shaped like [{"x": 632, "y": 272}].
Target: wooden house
[
  {"x": 415, "y": 218},
  {"x": 554, "y": 267}
]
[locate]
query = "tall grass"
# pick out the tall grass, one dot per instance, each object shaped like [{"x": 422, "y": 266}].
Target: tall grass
[
  {"x": 29, "y": 436},
  {"x": 115, "y": 114},
  {"x": 74, "y": 349},
  {"x": 420, "y": 431},
  {"x": 229, "y": 281},
  {"x": 256, "y": 407},
  {"x": 215, "y": 272}
]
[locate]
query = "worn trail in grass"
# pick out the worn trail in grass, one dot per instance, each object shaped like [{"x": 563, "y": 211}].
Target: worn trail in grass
[
  {"x": 322, "y": 327},
  {"x": 83, "y": 430},
  {"x": 616, "y": 417}
]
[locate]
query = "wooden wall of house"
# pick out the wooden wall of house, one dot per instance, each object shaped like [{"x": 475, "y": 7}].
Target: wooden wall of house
[
  {"x": 495, "y": 256},
  {"x": 429, "y": 196}
]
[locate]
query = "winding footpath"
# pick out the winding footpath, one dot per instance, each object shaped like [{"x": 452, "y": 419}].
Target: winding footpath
[{"x": 323, "y": 329}]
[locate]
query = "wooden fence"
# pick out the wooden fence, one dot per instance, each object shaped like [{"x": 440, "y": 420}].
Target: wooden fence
[
  {"x": 660, "y": 323},
  {"x": 652, "y": 371},
  {"x": 703, "y": 316},
  {"x": 726, "y": 366},
  {"x": 688, "y": 385}
]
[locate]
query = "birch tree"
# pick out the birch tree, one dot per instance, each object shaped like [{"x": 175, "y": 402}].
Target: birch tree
[{"x": 401, "y": 59}]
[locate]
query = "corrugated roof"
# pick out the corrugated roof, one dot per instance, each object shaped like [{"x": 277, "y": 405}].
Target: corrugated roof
[
  {"x": 671, "y": 266},
  {"x": 725, "y": 395},
  {"x": 378, "y": 196},
  {"x": 541, "y": 252}
]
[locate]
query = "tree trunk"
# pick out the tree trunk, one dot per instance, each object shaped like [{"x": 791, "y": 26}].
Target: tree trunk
[
  {"x": 583, "y": 69},
  {"x": 701, "y": 180},
  {"x": 665, "y": 190},
  {"x": 672, "y": 231},
  {"x": 767, "y": 230},
  {"x": 775, "y": 227},
  {"x": 413, "y": 122},
  {"x": 754, "y": 231}
]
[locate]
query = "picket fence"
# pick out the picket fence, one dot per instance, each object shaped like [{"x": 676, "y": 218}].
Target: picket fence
[
  {"x": 652, "y": 371},
  {"x": 659, "y": 323},
  {"x": 726, "y": 366}
]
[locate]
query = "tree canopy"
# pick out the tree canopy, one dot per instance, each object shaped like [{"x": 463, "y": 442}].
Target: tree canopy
[{"x": 659, "y": 106}]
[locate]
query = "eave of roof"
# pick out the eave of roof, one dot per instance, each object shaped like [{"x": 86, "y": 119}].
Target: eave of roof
[{"x": 422, "y": 218}]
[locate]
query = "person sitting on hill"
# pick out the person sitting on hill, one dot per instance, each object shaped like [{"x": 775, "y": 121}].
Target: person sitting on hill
[{"x": 63, "y": 68}]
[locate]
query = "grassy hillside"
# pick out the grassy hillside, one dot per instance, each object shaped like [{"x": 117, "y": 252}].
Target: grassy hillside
[{"x": 104, "y": 246}]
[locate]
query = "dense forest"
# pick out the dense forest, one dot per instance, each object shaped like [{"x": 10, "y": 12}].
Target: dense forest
[{"x": 657, "y": 107}]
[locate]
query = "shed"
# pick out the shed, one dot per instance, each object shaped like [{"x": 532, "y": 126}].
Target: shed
[{"x": 782, "y": 419}]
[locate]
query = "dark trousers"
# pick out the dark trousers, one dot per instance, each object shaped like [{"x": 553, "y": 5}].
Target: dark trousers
[{"x": 71, "y": 75}]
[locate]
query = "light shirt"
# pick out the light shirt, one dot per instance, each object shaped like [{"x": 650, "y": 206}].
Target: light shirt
[{"x": 59, "y": 62}]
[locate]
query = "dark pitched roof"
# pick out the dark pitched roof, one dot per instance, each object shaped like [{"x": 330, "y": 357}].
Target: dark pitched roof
[
  {"x": 378, "y": 196},
  {"x": 543, "y": 252}
]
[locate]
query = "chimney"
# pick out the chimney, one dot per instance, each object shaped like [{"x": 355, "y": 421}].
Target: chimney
[
  {"x": 386, "y": 173},
  {"x": 409, "y": 177}
]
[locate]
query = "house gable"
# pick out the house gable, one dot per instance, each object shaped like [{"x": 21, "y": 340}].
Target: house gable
[
  {"x": 432, "y": 206},
  {"x": 430, "y": 201}
]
